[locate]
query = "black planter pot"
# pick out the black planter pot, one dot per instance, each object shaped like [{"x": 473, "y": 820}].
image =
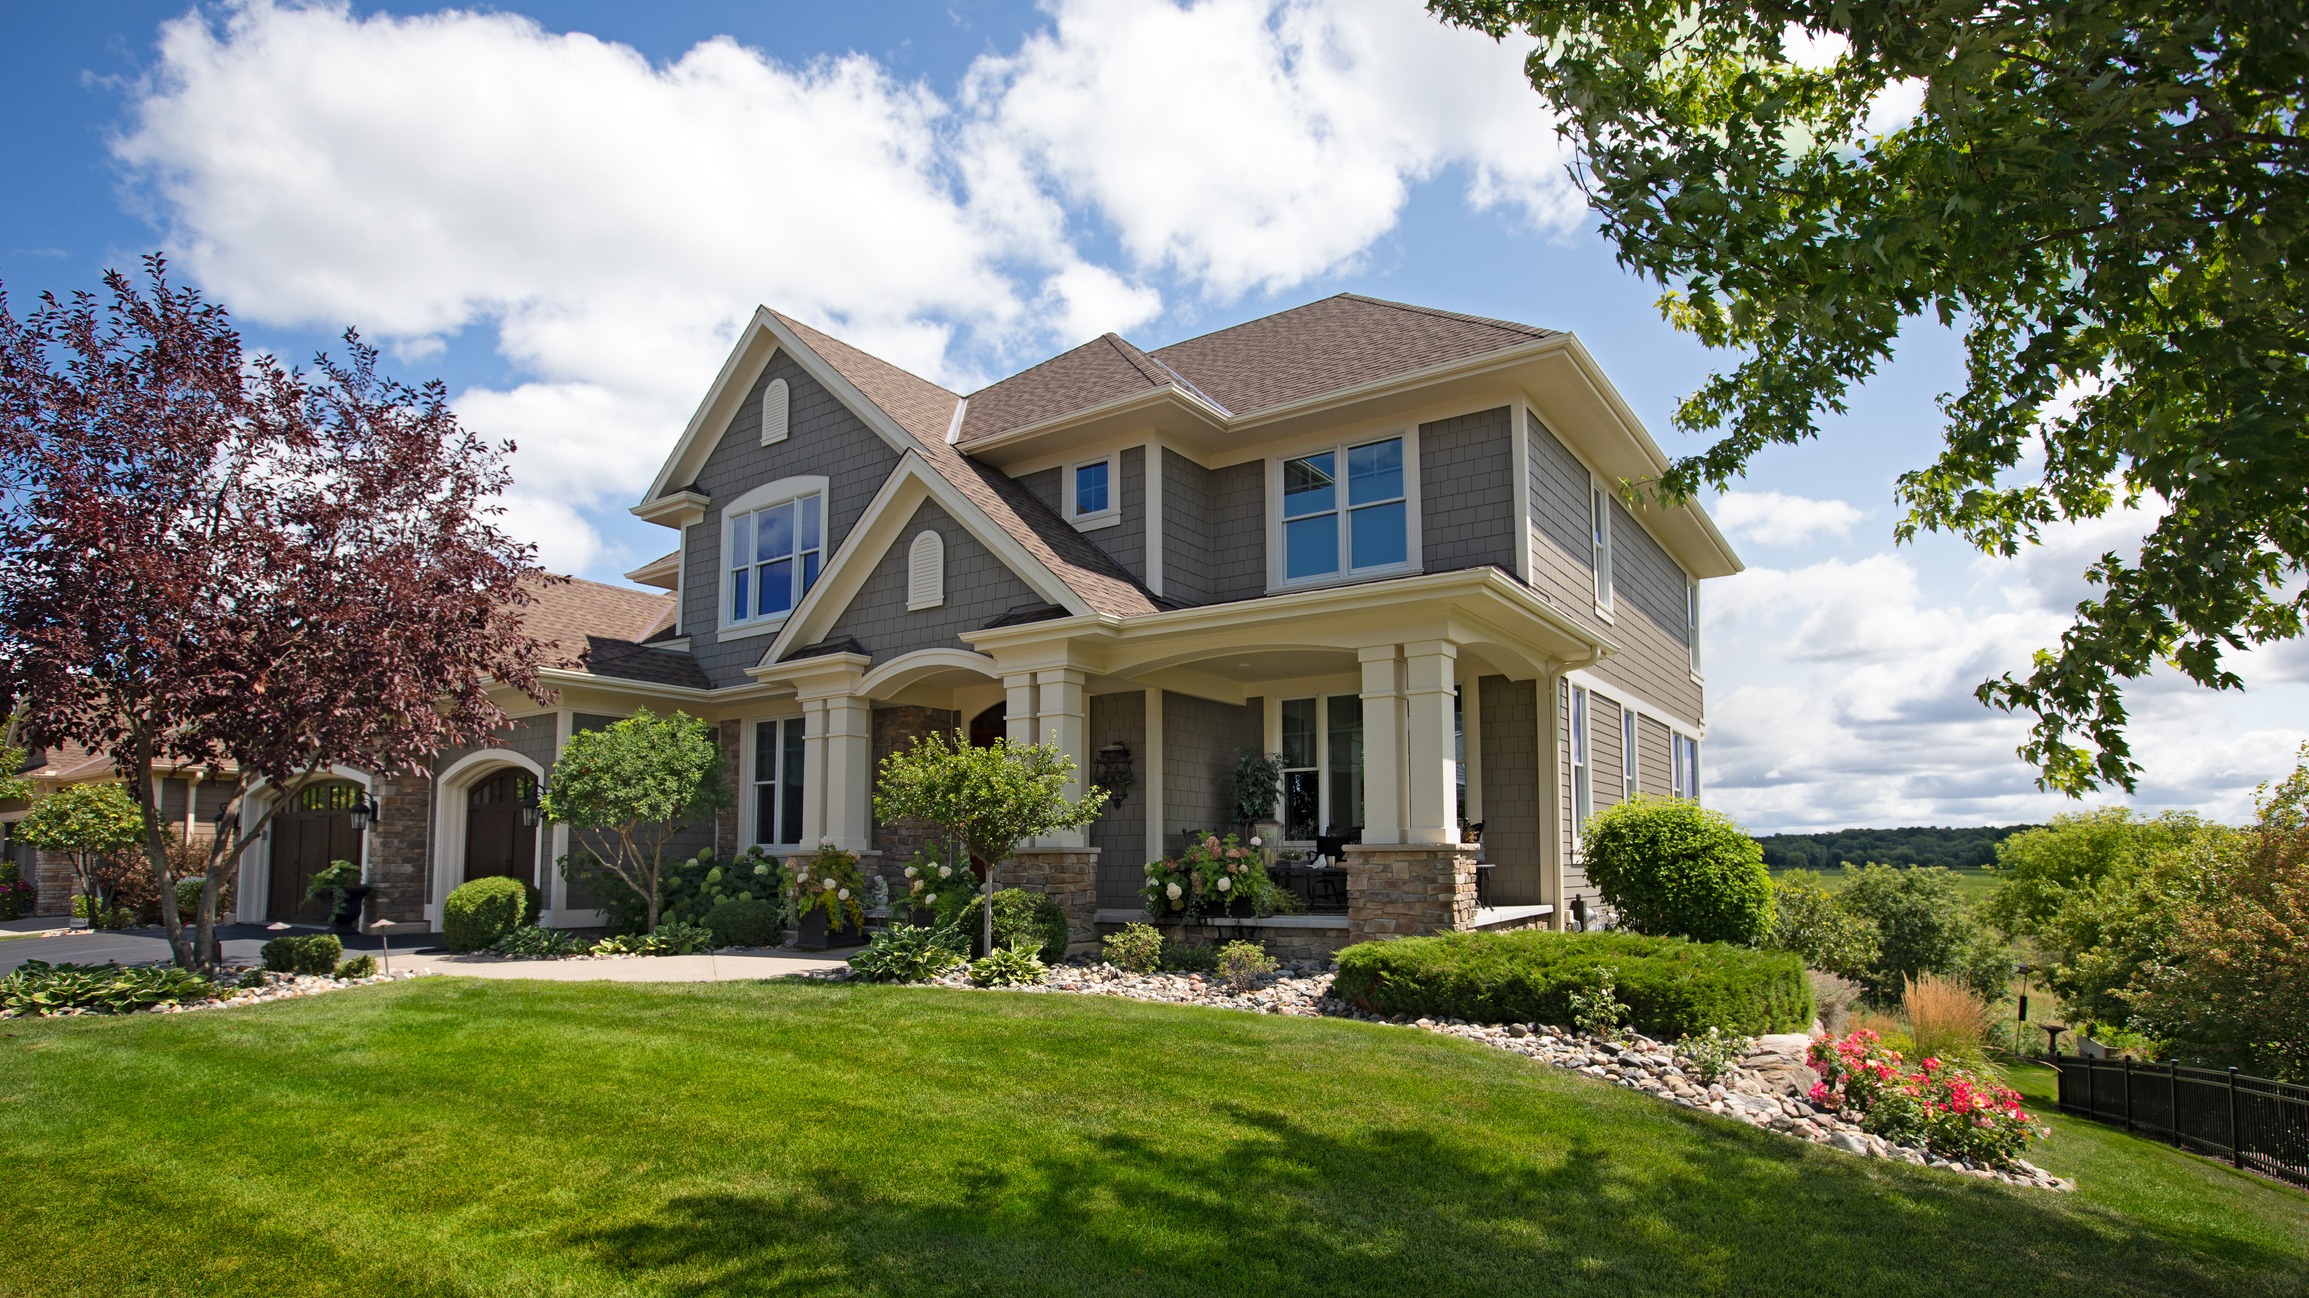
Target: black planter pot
[
  {"x": 816, "y": 935},
  {"x": 346, "y": 918},
  {"x": 922, "y": 917}
]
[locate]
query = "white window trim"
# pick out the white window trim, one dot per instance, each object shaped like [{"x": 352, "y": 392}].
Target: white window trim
[
  {"x": 1631, "y": 743},
  {"x": 1600, "y": 548},
  {"x": 1096, "y": 519},
  {"x": 1414, "y": 556},
  {"x": 1692, "y": 625},
  {"x": 769, "y": 493},
  {"x": 749, "y": 743},
  {"x": 1581, "y": 742}
]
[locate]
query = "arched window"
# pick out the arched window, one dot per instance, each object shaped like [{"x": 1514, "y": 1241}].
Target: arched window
[
  {"x": 776, "y": 403},
  {"x": 926, "y": 572},
  {"x": 774, "y": 542}
]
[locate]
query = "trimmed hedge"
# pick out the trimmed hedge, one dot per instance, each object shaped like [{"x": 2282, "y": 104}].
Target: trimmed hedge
[
  {"x": 304, "y": 953},
  {"x": 1672, "y": 868},
  {"x": 747, "y": 923},
  {"x": 482, "y": 911},
  {"x": 1673, "y": 987}
]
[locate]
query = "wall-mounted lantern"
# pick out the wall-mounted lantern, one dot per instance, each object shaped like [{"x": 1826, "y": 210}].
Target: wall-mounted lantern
[
  {"x": 364, "y": 813},
  {"x": 532, "y": 805},
  {"x": 1112, "y": 771}
]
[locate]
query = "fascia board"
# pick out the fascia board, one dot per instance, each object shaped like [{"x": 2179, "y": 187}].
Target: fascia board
[
  {"x": 564, "y": 678},
  {"x": 1150, "y": 399}
]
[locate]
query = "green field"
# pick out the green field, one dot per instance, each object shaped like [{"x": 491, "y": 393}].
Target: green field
[
  {"x": 490, "y": 1138},
  {"x": 1973, "y": 885}
]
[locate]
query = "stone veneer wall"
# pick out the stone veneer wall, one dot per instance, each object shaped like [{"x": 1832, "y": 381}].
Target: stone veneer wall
[
  {"x": 399, "y": 850},
  {"x": 1403, "y": 890},
  {"x": 726, "y": 842},
  {"x": 899, "y": 840},
  {"x": 53, "y": 883},
  {"x": 1068, "y": 875}
]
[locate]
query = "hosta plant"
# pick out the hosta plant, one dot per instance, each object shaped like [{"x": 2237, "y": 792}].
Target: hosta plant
[
  {"x": 904, "y": 953},
  {"x": 1008, "y": 967},
  {"x": 534, "y": 942},
  {"x": 1950, "y": 1111}
]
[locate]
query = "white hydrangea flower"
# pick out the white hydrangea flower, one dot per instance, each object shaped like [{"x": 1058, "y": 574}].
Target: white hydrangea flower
[
  {"x": 829, "y": 884},
  {"x": 945, "y": 870},
  {"x": 1225, "y": 884},
  {"x": 845, "y": 894},
  {"x": 825, "y": 842},
  {"x": 912, "y": 873},
  {"x": 1255, "y": 840},
  {"x": 930, "y": 900},
  {"x": 1173, "y": 890}
]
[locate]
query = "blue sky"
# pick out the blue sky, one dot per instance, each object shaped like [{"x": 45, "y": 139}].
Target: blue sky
[{"x": 563, "y": 210}]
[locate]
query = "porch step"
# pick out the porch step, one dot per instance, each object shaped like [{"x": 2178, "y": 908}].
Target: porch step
[{"x": 1508, "y": 916}]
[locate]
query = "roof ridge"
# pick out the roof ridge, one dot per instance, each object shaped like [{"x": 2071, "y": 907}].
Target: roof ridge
[
  {"x": 890, "y": 365},
  {"x": 1138, "y": 358},
  {"x": 1414, "y": 308}
]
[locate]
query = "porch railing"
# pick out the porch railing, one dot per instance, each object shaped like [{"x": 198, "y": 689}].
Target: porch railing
[{"x": 2257, "y": 1123}]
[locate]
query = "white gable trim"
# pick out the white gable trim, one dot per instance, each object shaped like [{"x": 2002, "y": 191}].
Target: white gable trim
[
  {"x": 762, "y": 338},
  {"x": 883, "y": 525}
]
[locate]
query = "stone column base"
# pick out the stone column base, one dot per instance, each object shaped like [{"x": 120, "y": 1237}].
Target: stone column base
[
  {"x": 1067, "y": 875},
  {"x": 1406, "y": 889}
]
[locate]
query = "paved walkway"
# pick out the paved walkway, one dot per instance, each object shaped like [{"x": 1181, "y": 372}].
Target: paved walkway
[
  {"x": 725, "y": 966},
  {"x": 129, "y": 946}
]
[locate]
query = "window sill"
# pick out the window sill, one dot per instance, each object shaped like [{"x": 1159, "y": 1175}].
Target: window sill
[
  {"x": 1364, "y": 577},
  {"x": 1093, "y": 522},
  {"x": 766, "y": 626}
]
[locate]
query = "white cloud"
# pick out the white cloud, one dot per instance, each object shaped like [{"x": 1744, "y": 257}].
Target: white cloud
[
  {"x": 1247, "y": 144},
  {"x": 1772, "y": 519},
  {"x": 612, "y": 221}
]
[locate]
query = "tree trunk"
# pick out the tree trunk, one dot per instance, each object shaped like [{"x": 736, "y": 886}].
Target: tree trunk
[{"x": 986, "y": 924}]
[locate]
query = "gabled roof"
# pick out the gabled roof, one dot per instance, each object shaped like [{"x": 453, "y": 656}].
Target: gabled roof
[
  {"x": 1338, "y": 343},
  {"x": 925, "y": 411}
]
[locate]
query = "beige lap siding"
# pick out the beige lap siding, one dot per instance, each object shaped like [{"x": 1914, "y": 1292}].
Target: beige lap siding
[{"x": 1655, "y": 767}]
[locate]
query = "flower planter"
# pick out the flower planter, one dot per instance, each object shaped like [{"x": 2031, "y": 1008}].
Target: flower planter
[
  {"x": 346, "y": 918},
  {"x": 922, "y": 917},
  {"x": 816, "y": 936}
]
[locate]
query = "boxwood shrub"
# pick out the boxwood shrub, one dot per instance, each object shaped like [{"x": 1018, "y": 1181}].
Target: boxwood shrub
[
  {"x": 303, "y": 953},
  {"x": 1673, "y": 987},
  {"x": 753, "y": 922},
  {"x": 481, "y": 911},
  {"x": 1673, "y": 868}
]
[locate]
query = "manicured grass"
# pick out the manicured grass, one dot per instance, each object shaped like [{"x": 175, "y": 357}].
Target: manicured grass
[{"x": 468, "y": 1137}]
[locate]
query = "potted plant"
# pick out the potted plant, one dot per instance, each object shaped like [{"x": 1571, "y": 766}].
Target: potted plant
[
  {"x": 827, "y": 892},
  {"x": 1214, "y": 876},
  {"x": 341, "y": 881}
]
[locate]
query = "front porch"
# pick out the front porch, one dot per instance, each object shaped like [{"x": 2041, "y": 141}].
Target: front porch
[{"x": 1408, "y": 715}]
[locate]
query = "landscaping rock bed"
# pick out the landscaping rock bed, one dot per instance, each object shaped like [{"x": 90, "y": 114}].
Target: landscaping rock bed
[
  {"x": 1765, "y": 1089},
  {"x": 276, "y": 987}
]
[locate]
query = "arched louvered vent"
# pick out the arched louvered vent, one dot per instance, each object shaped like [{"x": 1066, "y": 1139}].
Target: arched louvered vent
[
  {"x": 774, "y": 403},
  {"x": 926, "y": 572}
]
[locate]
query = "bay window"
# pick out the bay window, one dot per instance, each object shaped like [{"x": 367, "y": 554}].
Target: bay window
[
  {"x": 1345, "y": 512},
  {"x": 774, "y": 555}
]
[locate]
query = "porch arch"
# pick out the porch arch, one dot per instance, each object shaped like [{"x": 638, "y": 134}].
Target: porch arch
[{"x": 451, "y": 816}]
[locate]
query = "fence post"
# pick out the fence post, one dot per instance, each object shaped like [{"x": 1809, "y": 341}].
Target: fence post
[
  {"x": 2236, "y": 1138},
  {"x": 2092, "y": 1084},
  {"x": 2173, "y": 1098},
  {"x": 2128, "y": 1092}
]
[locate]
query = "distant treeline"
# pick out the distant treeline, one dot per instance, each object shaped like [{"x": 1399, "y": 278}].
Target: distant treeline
[{"x": 1958, "y": 849}]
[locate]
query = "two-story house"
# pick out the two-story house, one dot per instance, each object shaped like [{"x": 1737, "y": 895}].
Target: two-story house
[{"x": 1383, "y": 541}]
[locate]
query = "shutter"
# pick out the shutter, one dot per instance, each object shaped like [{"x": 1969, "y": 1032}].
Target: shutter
[
  {"x": 775, "y": 401},
  {"x": 926, "y": 572}
]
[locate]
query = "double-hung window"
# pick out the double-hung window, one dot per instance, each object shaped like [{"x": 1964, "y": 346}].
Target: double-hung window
[
  {"x": 1346, "y": 512},
  {"x": 1302, "y": 779},
  {"x": 778, "y": 782},
  {"x": 774, "y": 556},
  {"x": 1582, "y": 783},
  {"x": 1687, "y": 775},
  {"x": 1599, "y": 525},
  {"x": 1692, "y": 622},
  {"x": 1627, "y": 752}
]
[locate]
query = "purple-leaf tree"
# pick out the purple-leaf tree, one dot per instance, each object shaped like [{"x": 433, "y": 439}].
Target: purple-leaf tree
[{"x": 208, "y": 557}]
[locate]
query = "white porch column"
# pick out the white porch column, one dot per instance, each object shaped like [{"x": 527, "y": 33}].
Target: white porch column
[
  {"x": 1063, "y": 721},
  {"x": 849, "y": 767},
  {"x": 1431, "y": 776},
  {"x": 1382, "y": 745},
  {"x": 1019, "y": 707},
  {"x": 814, "y": 724}
]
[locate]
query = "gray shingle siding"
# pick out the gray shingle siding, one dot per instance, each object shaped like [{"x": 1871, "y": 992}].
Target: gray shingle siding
[
  {"x": 824, "y": 438},
  {"x": 1186, "y": 529},
  {"x": 1238, "y": 520},
  {"x": 1044, "y": 484},
  {"x": 1644, "y": 577},
  {"x": 1119, "y": 833},
  {"x": 1199, "y": 742},
  {"x": 1467, "y": 492},
  {"x": 1511, "y": 823},
  {"x": 1125, "y": 542},
  {"x": 979, "y": 589}
]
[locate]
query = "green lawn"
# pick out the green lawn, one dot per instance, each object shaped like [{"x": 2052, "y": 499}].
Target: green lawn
[{"x": 489, "y": 1138}]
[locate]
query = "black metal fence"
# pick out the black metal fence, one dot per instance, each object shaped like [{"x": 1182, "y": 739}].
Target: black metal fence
[{"x": 2255, "y": 1122}]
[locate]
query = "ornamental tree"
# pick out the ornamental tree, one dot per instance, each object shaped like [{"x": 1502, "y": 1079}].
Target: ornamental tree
[
  {"x": 2110, "y": 200},
  {"x": 88, "y": 823},
  {"x": 981, "y": 803},
  {"x": 628, "y": 790},
  {"x": 213, "y": 559}
]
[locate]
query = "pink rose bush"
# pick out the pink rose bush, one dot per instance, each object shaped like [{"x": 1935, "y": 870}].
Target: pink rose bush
[{"x": 1947, "y": 1110}]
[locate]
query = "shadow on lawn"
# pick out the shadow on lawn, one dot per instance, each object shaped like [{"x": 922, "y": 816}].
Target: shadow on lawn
[{"x": 1288, "y": 1210}]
